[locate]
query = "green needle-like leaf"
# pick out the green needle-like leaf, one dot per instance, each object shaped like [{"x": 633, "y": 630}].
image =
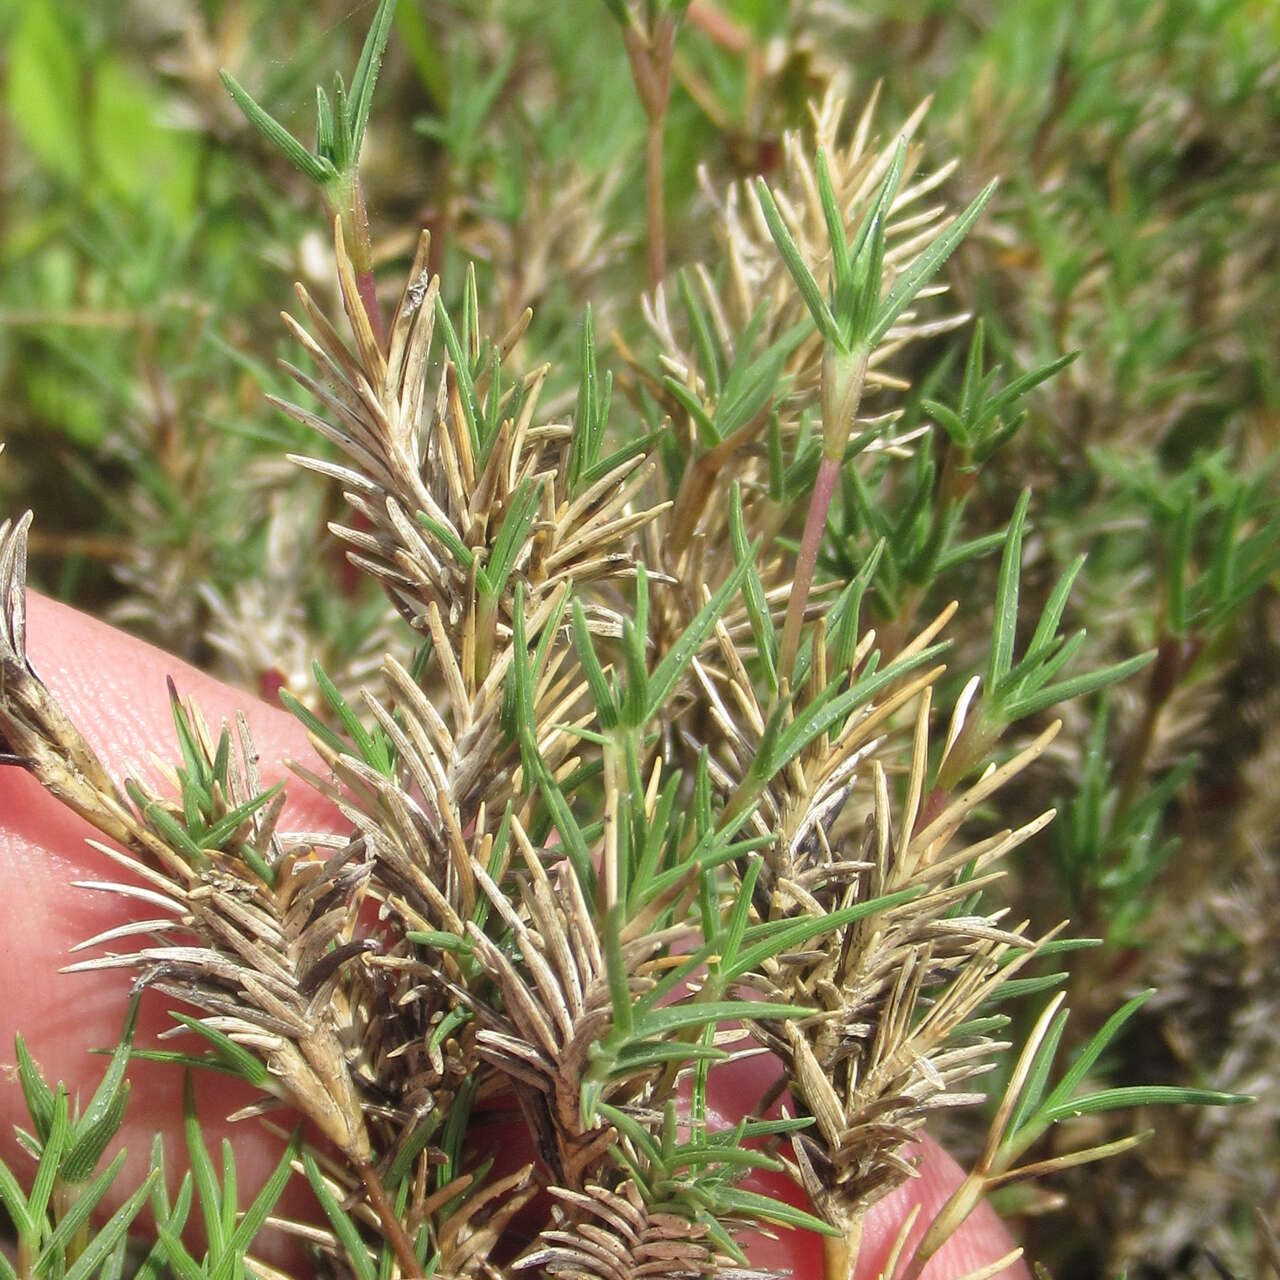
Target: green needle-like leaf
[
  {"x": 841, "y": 261},
  {"x": 325, "y": 135},
  {"x": 448, "y": 539},
  {"x": 1004, "y": 632},
  {"x": 761, "y": 619},
  {"x": 204, "y": 1175},
  {"x": 230, "y": 1189},
  {"x": 1047, "y": 627},
  {"x": 832, "y": 707},
  {"x": 664, "y": 679},
  {"x": 1077, "y": 686},
  {"x": 70, "y": 1222},
  {"x": 512, "y": 536},
  {"x": 472, "y": 411},
  {"x": 646, "y": 1054},
  {"x": 660, "y": 1022},
  {"x": 111, "y": 1234},
  {"x": 105, "y": 1112},
  {"x": 343, "y": 154},
  {"x": 566, "y": 824},
  {"x": 264, "y": 1202},
  {"x": 366, "y": 75},
  {"x": 36, "y": 1093},
  {"x": 50, "y": 1159},
  {"x": 701, "y": 332},
  {"x": 737, "y": 923},
  {"x": 1143, "y": 1096},
  {"x": 184, "y": 1266},
  {"x": 795, "y": 264},
  {"x": 780, "y": 936},
  {"x": 873, "y": 221},
  {"x": 753, "y": 1205},
  {"x": 347, "y": 1232},
  {"x": 318, "y": 170},
  {"x": 601, "y": 694},
  {"x": 1015, "y": 988},
  {"x": 592, "y": 413},
  {"x": 226, "y": 826},
  {"x": 15, "y": 1202},
  {"x": 1038, "y": 1077},
  {"x": 913, "y": 279},
  {"x": 373, "y": 747},
  {"x": 1088, "y": 1056}
]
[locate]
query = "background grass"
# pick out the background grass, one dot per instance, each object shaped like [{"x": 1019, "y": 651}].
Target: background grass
[{"x": 147, "y": 242}]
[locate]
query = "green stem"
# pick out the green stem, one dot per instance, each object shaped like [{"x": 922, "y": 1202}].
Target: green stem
[{"x": 28, "y": 1254}]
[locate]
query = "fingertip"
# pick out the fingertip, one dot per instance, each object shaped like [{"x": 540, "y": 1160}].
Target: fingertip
[
  {"x": 736, "y": 1088},
  {"x": 115, "y": 689}
]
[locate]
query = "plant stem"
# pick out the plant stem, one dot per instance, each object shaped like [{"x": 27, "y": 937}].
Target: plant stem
[
  {"x": 840, "y": 1253},
  {"x": 346, "y": 199},
  {"x": 719, "y": 26},
  {"x": 844, "y": 374},
  {"x": 362, "y": 260},
  {"x": 654, "y": 199},
  {"x": 815, "y": 526},
  {"x": 392, "y": 1227},
  {"x": 1174, "y": 657},
  {"x": 650, "y": 54}
]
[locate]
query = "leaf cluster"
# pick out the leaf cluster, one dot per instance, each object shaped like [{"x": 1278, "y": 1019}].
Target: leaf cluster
[
  {"x": 340, "y": 121},
  {"x": 655, "y": 793}
]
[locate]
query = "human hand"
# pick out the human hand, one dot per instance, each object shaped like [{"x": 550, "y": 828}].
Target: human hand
[{"x": 113, "y": 687}]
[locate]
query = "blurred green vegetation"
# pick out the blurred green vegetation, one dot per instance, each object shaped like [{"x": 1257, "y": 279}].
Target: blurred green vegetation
[{"x": 148, "y": 240}]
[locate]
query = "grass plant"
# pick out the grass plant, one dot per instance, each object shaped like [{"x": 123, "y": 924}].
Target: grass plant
[{"x": 749, "y": 525}]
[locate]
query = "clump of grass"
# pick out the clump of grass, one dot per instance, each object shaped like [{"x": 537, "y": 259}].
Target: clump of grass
[{"x": 669, "y": 744}]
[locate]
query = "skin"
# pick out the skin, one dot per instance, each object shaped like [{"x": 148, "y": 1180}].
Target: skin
[{"x": 113, "y": 687}]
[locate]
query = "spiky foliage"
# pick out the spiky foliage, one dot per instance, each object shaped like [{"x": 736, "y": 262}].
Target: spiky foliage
[
  {"x": 742, "y": 365},
  {"x": 619, "y": 820}
]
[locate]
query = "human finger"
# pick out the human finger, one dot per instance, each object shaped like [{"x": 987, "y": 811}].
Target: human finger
[{"x": 113, "y": 687}]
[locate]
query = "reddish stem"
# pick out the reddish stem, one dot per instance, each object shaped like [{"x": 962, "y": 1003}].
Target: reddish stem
[
  {"x": 844, "y": 374},
  {"x": 389, "y": 1220},
  {"x": 655, "y": 199},
  {"x": 362, "y": 261},
  {"x": 650, "y": 54},
  {"x": 815, "y": 526},
  {"x": 1175, "y": 655}
]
